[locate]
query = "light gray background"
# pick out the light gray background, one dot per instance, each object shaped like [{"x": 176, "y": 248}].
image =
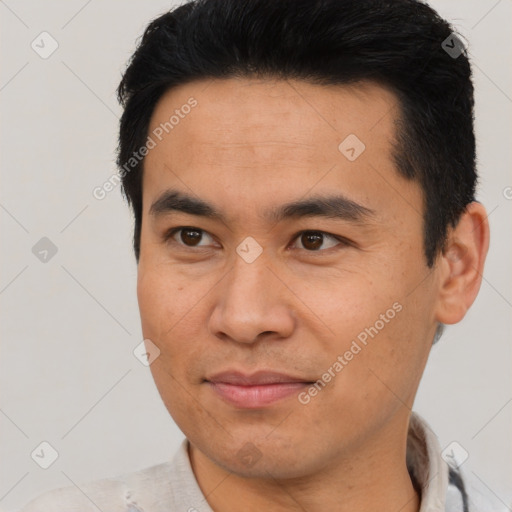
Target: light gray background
[{"x": 69, "y": 326}]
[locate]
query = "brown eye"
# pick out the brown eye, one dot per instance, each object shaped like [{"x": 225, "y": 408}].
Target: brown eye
[
  {"x": 312, "y": 241},
  {"x": 316, "y": 240},
  {"x": 191, "y": 237}
]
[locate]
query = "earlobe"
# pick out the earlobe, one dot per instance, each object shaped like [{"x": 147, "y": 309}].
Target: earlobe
[{"x": 462, "y": 263}]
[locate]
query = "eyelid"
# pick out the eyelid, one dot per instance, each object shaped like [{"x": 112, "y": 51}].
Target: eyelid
[
  {"x": 169, "y": 234},
  {"x": 341, "y": 240}
]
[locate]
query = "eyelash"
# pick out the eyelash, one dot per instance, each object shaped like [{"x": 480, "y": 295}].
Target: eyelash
[{"x": 343, "y": 242}]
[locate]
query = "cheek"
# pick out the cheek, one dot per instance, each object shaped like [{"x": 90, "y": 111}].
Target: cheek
[
  {"x": 162, "y": 293},
  {"x": 380, "y": 326},
  {"x": 163, "y": 310},
  {"x": 161, "y": 304},
  {"x": 152, "y": 302},
  {"x": 393, "y": 359},
  {"x": 172, "y": 316},
  {"x": 344, "y": 304}
]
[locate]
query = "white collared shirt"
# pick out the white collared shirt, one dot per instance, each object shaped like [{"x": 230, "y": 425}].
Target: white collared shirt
[{"x": 172, "y": 486}]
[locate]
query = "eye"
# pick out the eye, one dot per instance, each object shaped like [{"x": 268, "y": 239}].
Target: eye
[
  {"x": 311, "y": 241},
  {"x": 188, "y": 236},
  {"x": 314, "y": 240}
]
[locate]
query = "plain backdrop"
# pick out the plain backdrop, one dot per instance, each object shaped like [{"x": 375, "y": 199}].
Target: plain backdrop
[{"x": 70, "y": 324}]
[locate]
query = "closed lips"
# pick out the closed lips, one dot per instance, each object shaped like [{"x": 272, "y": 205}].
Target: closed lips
[{"x": 261, "y": 378}]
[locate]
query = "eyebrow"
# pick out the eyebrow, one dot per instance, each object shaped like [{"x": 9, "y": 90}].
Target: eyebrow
[{"x": 335, "y": 206}]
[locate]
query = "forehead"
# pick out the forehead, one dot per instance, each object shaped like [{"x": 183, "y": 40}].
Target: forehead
[
  {"x": 253, "y": 113},
  {"x": 266, "y": 140}
]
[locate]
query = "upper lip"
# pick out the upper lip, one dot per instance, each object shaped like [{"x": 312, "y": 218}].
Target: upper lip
[{"x": 258, "y": 378}]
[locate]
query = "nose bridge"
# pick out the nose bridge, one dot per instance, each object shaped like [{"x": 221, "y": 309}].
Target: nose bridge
[
  {"x": 247, "y": 290},
  {"x": 249, "y": 279},
  {"x": 250, "y": 302}
]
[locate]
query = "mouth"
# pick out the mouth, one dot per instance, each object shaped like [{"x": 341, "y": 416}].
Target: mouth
[{"x": 256, "y": 390}]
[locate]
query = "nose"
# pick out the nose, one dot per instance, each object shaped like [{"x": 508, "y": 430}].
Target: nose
[{"x": 251, "y": 303}]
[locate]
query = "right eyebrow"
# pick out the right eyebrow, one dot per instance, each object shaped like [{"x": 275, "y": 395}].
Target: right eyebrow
[{"x": 174, "y": 200}]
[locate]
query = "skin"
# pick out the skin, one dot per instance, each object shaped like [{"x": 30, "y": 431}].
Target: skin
[{"x": 248, "y": 146}]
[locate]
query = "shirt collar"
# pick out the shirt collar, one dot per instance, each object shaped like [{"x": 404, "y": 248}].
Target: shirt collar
[{"x": 425, "y": 464}]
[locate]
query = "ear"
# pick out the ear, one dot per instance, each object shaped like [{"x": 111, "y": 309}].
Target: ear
[{"x": 461, "y": 264}]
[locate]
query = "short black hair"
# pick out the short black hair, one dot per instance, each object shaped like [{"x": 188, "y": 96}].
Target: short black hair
[{"x": 403, "y": 45}]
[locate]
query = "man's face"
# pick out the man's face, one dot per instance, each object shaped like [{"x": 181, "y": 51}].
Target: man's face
[{"x": 252, "y": 293}]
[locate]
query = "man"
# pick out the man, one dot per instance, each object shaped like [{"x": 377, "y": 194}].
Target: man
[{"x": 302, "y": 176}]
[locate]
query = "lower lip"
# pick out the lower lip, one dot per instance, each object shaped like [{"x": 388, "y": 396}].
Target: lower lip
[{"x": 252, "y": 397}]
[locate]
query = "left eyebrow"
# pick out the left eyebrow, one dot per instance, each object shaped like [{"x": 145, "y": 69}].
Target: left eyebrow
[{"x": 337, "y": 207}]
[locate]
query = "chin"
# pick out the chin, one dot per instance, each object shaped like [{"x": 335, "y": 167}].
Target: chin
[{"x": 259, "y": 456}]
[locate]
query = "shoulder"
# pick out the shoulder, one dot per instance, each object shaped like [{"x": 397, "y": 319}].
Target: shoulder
[
  {"x": 468, "y": 493},
  {"x": 482, "y": 498},
  {"x": 126, "y": 493}
]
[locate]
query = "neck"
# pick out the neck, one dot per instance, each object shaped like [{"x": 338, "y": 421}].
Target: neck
[{"x": 374, "y": 478}]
